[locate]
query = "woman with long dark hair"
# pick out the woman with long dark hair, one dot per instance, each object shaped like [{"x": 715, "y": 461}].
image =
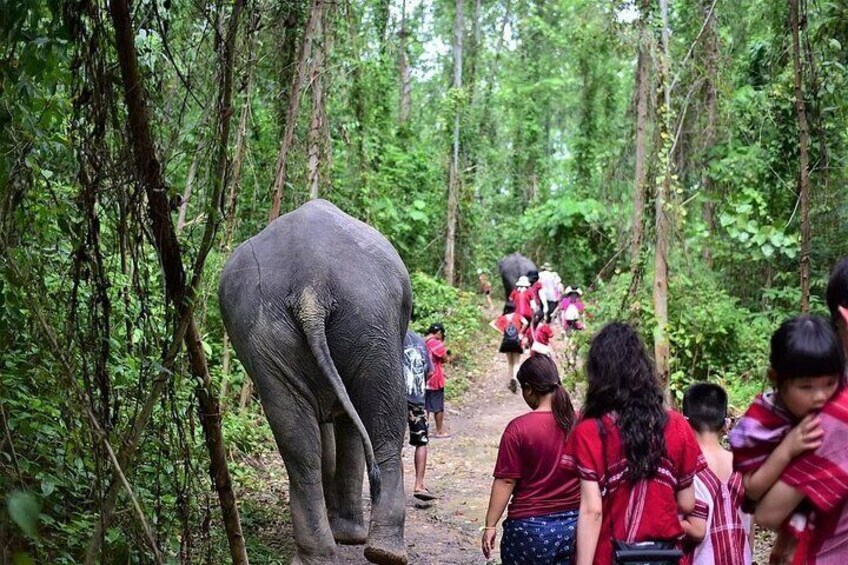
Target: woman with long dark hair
[
  {"x": 635, "y": 459},
  {"x": 543, "y": 497}
]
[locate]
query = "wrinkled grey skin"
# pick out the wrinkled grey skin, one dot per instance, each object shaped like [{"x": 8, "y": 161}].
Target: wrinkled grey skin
[
  {"x": 316, "y": 306},
  {"x": 511, "y": 267}
]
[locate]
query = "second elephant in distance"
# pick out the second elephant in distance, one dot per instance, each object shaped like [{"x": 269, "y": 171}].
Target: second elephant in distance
[
  {"x": 511, "y": 267},
  {"x": 316, "y": 306}
]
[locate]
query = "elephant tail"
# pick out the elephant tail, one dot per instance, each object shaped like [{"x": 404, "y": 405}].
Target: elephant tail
[{"x": 311, "y": 315}]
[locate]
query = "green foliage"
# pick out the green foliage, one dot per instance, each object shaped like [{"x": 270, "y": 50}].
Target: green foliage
[
  {"x": 437, "y": 302},
  {"x": 713, "y": 337}
]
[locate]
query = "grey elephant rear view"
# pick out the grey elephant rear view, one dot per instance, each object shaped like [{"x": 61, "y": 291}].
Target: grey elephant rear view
[
  {"x": 316, "y": 306},
  {"x": 511, "y": 267}
]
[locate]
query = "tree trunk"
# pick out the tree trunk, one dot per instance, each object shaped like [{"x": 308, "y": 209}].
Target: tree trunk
[
  {"x": 405, "y": 80},
  {"x": 316, "y": 127},
  {"x": 294, "y": 101},
  {"x": 453, "y": 175},
  {"x": 637, "y": 229},
  {"x": 235, "y": 180},
  {"x": 804, "y": 154},
  {"x": 663, "y": 190},
  {"x": 149, "y": 175},
  {"x": 192, "y": 173},
  {"x": 287, "y": 29},
  {"x": 709, "y": 135}
]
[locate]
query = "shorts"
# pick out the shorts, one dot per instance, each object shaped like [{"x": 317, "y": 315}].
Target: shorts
[
  {"x": 434, "y": 400},
  {"x": 539, "y": 539},
  {"x": 418, "y": 428}
]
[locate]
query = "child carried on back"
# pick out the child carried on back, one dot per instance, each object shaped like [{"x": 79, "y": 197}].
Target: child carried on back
[{"x": 807, "y": 367}]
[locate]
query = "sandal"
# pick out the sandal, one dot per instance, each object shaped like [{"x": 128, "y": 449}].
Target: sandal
[{"x": 424, "y": 494}]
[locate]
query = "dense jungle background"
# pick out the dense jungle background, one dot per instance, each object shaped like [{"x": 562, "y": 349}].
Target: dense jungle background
[{"x": 683, "y": 161}]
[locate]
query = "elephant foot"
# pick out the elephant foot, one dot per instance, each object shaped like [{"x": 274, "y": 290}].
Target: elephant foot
[
  {"x": 348, "y": 532},
  {"x": 385, "y": 555},
  {"x": 314, "y": 559}
]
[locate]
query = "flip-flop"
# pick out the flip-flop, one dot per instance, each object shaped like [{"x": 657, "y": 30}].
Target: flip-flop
[
  {"x": 424, "y": 495},
  {"x": 440, "y": 436}
]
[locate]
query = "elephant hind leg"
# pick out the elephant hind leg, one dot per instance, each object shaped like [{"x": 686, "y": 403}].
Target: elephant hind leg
[
  {"x": 298, "y": 437},
  {"x": 343, "y": 481}
]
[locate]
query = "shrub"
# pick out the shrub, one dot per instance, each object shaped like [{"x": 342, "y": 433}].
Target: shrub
[{"x": 712, "y": 336}]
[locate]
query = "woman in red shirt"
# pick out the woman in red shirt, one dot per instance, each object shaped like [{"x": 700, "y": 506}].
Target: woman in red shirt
[
  {"x": 543, "y": 497},
  {"x": 635, "y": 459}
]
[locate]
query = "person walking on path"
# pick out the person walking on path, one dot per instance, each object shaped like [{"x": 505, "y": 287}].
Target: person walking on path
[
  {"x": 523, "y": 299},
  {"x": 636, "y": 460},
  {"x": 718, "y": 488},
  {"x": 511, "y": 326},
  {"x": 434, "y": 392},
  {"x": 543, "y": 497},
  {"x": 485, "y": 286},
  {"x": 417, "y": 367},
  {"x": 548, "y": 295}
]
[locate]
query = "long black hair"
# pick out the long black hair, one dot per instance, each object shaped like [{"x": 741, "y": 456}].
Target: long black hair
[
  {"x": 539, "y": 373},
  {"x": 622, "y": 379},
  {"x": 806, "y": 346}
]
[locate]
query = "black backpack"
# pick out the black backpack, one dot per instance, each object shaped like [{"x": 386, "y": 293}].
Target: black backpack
[{"x": 511, "y": 335}]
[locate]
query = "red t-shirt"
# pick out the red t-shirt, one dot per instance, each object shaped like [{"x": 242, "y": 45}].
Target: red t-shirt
[
  {"x": 531, "y": 448},
  {"x": 438, "y": 352},
  {"x": 502, "y": 321},
  {"x": 653, "y": 508},
  {"x": 522, "y": 299}
]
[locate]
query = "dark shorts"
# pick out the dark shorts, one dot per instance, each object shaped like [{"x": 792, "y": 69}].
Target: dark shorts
[
  {"x": 434, "y": 400},
  {"x": 546, "y": 539},
  {"x": 418, "y": 428}
]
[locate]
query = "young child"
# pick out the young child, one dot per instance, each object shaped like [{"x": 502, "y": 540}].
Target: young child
[
  {"x": 542, "y": 335},
  {"x": 434, "y": 390},
  {"x": 807, "y": 366},
  {"x": 571, "y": 308},
  {"x": 718, "y": 488}
]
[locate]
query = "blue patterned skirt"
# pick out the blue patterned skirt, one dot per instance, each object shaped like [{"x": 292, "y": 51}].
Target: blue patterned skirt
[{"x": 540, "y": 540}]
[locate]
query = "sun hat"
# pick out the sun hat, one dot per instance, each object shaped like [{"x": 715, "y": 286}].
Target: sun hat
[
  {"x": 546, "y": 266},
  {"x": 569, "y": 290},
  {"x": 523, "y": 281}
]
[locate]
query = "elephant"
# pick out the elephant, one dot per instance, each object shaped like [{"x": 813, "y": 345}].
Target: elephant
[
  {"x": 316, "y": 306},
  {"x": 511, "y": 267}
]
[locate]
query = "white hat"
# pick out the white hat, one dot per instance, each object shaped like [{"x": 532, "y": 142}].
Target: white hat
[
  {"x": 523, "y": 281},
  {"x": 569, "y": 290}
]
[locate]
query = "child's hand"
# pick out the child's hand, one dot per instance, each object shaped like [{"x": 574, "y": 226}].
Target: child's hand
[{"x": 805, "y": 436}]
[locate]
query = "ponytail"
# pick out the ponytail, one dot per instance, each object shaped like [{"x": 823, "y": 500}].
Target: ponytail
[{"x": 562, "y": 409}]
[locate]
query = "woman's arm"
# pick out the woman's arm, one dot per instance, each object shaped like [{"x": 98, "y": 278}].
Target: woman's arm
[
  {"x": 501, "y": 491},
  {"x": 588, "y": 522},
  {"x": 777, "y": 504},
  {"x": 494, "y": 325},
  {"x": 806, "y": 435}
]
